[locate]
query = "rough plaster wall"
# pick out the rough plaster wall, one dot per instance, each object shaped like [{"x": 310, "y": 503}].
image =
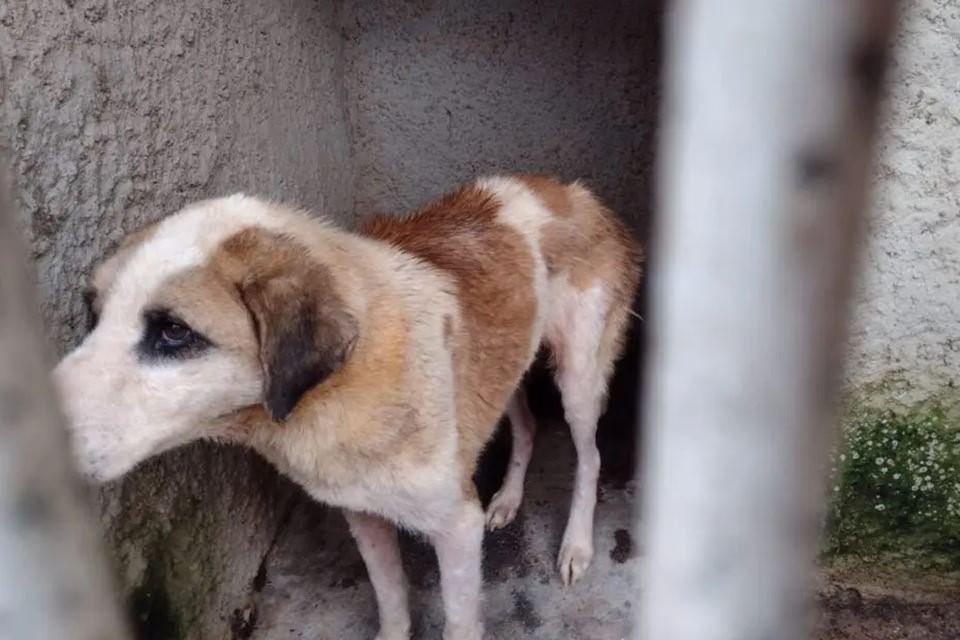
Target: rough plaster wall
[
  {"x": 441, "y": 92},
  {"x": 908, "y": 318},
  {"x": 116, "y": 113}
]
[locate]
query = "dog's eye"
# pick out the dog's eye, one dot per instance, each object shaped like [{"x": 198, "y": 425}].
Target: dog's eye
[
  {"x": 174, "y": 334},
  {"x": 166, "y": 336}
]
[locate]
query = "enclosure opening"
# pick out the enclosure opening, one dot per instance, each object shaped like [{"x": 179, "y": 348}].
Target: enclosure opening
[{"x": 440, "y": 95}]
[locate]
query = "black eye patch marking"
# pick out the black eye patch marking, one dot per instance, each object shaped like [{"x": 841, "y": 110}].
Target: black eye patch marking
[
  {"x": 166, "y": 337},
  {"x": 90, "y": 305}
]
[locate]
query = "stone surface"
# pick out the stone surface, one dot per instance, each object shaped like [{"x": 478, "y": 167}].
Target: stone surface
[
  {"x": 117, "y": 113},
  {"x": 440, "y": 92},
  {"x": 908, "y": 313}
]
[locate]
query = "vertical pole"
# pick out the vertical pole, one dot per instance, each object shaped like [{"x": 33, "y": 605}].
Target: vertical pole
[
  {"x": 53, "y": 579},
  {"x": 769, "y": 113}
]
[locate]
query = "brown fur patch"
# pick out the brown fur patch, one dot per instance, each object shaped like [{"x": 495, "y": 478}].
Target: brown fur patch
[
  {"x": 587, "y": 244},
  {"x": 304, "y": 330},
  {"x": 211, "y": 305},
  {"x": 587, "y": 241},
  {"x": 493, "y": 268},
  {"x": 551, "y": 192},
  {"x": 381, "y": 427}
]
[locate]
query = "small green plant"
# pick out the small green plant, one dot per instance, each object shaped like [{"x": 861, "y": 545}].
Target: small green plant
[{"x": 895, "y": 489}]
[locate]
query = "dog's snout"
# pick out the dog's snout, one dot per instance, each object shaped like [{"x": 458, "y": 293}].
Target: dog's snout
[{"x": 88, "y": 459}]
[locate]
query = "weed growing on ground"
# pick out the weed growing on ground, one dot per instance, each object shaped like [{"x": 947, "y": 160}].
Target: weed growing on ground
[{"x": 895, "y": 489}]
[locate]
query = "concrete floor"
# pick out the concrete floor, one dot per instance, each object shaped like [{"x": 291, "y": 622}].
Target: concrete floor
[
  {"x": 317, "y": 589},
  {"x": 315, "y": 586}
]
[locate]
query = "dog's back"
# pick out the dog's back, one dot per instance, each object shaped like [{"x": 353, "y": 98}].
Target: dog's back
[{"x": 534, "y": 261}]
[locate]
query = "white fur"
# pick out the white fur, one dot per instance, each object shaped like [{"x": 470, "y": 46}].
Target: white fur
[
  {"x": 182, "y": 241},
  {"x": 458, "y": 548},
  {"x": 122, "y": 412},
  {"x": 377, "y": 540},
  {"x": 575, "y": 331}
]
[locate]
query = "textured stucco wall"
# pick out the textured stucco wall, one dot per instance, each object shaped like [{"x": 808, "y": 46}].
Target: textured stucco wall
[
  {"x": 116, "y": 113},
  {"x": 441, "y": 92},
  {"x": 908, "y": 316}
]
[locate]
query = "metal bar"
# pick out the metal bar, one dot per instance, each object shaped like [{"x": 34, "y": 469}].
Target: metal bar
[
  {"x": 54, "y": 584},
  {"x": 769, "y": 114}
]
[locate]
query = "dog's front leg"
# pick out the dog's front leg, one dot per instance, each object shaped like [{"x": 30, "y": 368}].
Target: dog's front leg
[
  {"x": 377, "y": 540},
  {"x": 459, "y": 551}
]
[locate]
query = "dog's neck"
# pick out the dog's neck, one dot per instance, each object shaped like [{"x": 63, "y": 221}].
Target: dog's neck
[{"x": 342, "y": 419}]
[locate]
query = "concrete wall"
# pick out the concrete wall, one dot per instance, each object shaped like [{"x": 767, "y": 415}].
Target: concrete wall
[
  {"x": 441, "y": 92},
  {"x": 907, "y": 338},
  {"x": 115, "y": 114}
]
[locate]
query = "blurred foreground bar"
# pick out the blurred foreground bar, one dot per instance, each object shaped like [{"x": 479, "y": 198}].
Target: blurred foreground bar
[
  {"x": 769, "y": 112},
  {"x": 54, "y": 583}
]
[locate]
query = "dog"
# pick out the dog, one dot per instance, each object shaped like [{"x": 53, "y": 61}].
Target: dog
[{"x": 371, "y": 367}]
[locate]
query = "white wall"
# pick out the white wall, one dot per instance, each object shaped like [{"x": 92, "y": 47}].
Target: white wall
[{"x": 908, "y": 310}]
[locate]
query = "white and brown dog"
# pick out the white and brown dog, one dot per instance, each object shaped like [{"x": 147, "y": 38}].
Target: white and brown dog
[{"x": 369, "y": 367}]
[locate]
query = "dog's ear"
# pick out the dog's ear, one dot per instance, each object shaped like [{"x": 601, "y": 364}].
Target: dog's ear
[{"x": 305, "y": 332}]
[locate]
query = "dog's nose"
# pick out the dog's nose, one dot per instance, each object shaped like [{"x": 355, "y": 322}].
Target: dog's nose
[{"x": 69, "y": 394}]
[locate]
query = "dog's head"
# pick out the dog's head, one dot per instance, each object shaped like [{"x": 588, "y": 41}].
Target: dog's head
[{"x": 214, "y": 310}]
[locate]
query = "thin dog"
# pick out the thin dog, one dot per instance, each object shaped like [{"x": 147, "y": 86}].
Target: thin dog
[{"x": 369, "y": 367}]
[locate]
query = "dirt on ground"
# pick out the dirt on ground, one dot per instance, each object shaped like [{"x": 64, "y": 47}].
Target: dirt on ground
[{"x": 887, "y": 604}]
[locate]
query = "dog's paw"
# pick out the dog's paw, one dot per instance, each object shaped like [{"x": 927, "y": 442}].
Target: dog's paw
[
  {"x": 503, "y": 509},
  {"x": 461, "y": 632},
  {"x": 573, "y": 561},
  {"x": 402, "y": 633},
  {"x": 396, "y": 630}
]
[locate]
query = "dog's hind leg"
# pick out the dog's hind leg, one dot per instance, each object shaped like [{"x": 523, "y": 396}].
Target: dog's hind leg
[
  {"x": 585, "y": 336},
  {"x": 377, "y": 541},
  {"x": 503, "y": 508}
]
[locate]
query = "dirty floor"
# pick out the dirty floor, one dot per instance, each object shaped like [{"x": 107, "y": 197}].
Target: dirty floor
[{"x": 316, "y": 588}]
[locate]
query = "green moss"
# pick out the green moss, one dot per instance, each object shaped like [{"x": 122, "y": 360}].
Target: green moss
[
  {"x": 895, "y": 489},
  {"x": 182, "y": 568},
  {"x": 153, "y": 615}
]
